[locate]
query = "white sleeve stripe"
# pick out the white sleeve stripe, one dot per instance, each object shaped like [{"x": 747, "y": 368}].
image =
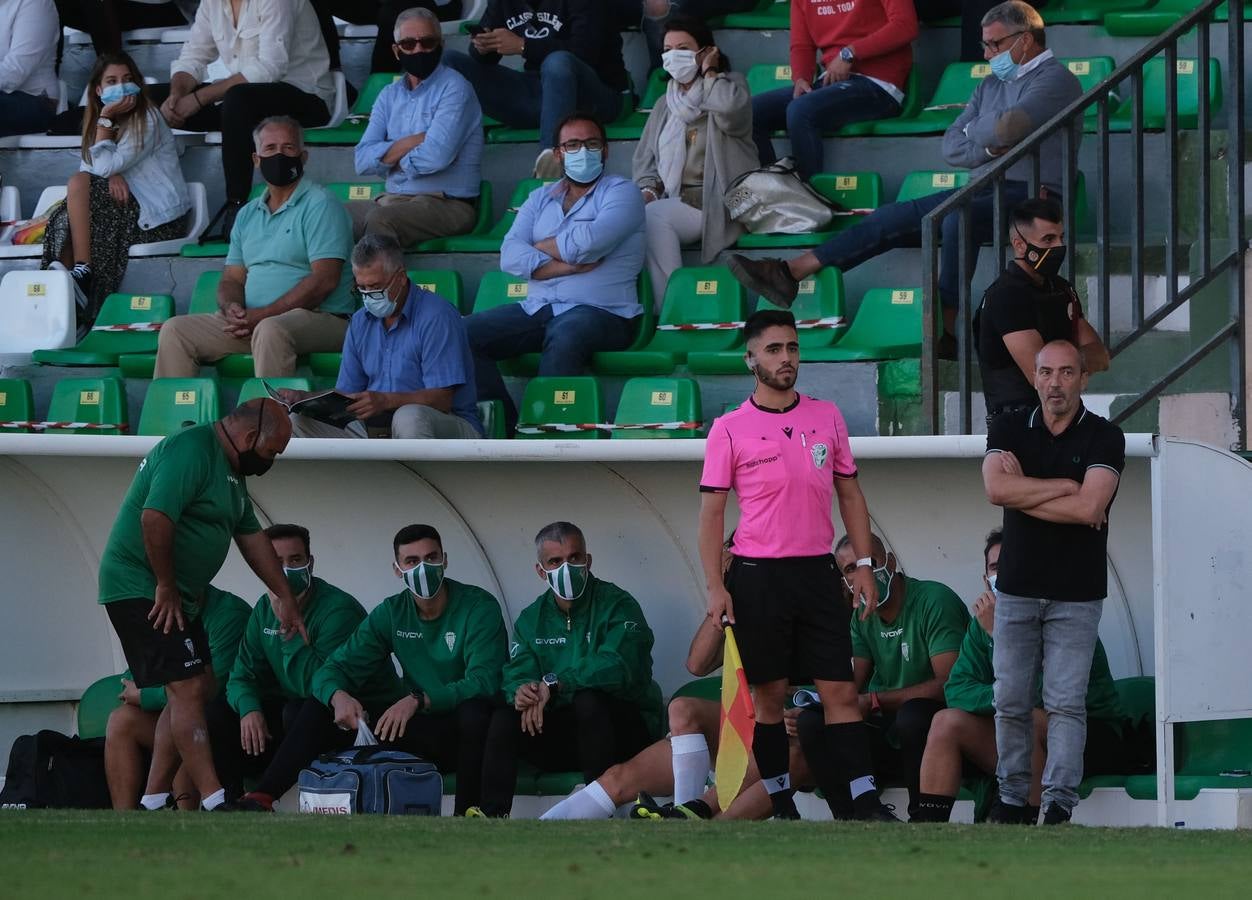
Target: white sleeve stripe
[{"x": 1103, "y": 466}]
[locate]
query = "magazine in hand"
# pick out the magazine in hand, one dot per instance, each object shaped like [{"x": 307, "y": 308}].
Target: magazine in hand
[{"x": 330, "y": 407}]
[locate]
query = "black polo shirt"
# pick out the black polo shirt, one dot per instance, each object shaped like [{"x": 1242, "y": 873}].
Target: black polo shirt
[
  {"x": 1014, "y": 302},
  {"x": 1048, "y": 560}
]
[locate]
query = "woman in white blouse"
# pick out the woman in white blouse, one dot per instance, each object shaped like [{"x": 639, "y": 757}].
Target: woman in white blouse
[
  {"x": 28, "y": 81},
  {"x": 276, "y": 64},
  {"x": 129, "y": 188}
]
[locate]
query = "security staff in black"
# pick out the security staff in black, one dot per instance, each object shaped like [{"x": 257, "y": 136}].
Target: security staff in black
[{"x": 1028, "y": 306}]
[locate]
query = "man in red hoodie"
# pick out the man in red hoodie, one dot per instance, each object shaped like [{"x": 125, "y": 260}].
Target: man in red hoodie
[{"x": 865, "y": 57}]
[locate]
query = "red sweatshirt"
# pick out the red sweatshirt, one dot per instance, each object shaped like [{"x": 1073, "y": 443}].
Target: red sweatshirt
[{"x": 879, "y": 32}]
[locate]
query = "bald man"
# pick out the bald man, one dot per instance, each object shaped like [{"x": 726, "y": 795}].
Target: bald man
[{"x": 188, "y": 500}]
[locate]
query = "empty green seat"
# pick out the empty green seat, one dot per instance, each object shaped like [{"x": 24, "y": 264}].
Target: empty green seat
[
  {"x": 1090, "y": 71},
  {"x": 630, "y": 128},
  {"x": 650, "y": 401},
  {"x": 352, "y": 128},
  {"x": 498, "y": 288},
  {"x": 325, "y": 365},
  {"x": 96, "y": 705},
  {"x": 1073, "y": 12},
  {"x": 851, "y": 190},
  {"x": 487, "y": 240},
  {"x": 102, "y": 348},
  {"x": 491, "y": 414},
  {"x": 888, "y": 325},
  {"x": 17, "y": 403},
  {"x": 922, "y": 184},
  {"x": 568, "y": 400},
  {"x": 1148, "y": 19},
  {"x": 764, "y": 77},
  {"x": 1137, "y": 698},
  {"x": 254, "y": 388},
  {"x": 769, "y": 15},
  {"x": 956, "y": 86},
  {"x": 1154, "y": 86},
  {"x": 176, "y": 403},
  {"x": 696, "y": 295},
  {"x": 444, "y": 282},
  {"x": 96, "y": 401}
]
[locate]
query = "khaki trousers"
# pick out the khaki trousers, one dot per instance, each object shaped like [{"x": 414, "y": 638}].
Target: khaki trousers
[
  {"x": 188, "y": 341},
  {"x": 409, "y": 422},
  {"x": 410, "y": 218}
]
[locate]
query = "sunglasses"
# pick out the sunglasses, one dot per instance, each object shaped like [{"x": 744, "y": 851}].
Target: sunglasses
[{"x": 410, "y": 45}]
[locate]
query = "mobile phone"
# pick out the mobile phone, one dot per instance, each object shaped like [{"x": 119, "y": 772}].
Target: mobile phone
[{"x": 475, "y": 30}]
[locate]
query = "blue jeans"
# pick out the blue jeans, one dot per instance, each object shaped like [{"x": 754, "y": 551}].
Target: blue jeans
[
  {"x": 520, "y": 99},
  {"x": 1062, "y": 637},
  {"x": 565, "y": 343},
  {"x": 825, "y": 108},
  {"x": 24, "y": 113},
  {"x": 900, "y": 225}
]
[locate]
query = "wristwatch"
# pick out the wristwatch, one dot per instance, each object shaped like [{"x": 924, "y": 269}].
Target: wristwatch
[
  {"x": 104, "y": 122},
  {"x": 551, "y": 681},
  {"x": 846, "y": 54},
  {"x": 865, "y": 561}
]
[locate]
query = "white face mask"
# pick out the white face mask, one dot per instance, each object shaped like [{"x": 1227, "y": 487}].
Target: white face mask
[
  {"x": 681, "y": 65},
  {"x": 991, "y": 580}
]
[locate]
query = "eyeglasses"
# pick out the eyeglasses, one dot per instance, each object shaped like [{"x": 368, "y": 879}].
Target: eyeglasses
[
  {"x": 410, "y": 45},
  {"x": 994, "y": 46},
  {"x": 573, "y": 146}
]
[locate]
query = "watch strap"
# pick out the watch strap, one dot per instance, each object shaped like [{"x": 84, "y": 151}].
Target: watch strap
[{"x": 865, "y": 561}]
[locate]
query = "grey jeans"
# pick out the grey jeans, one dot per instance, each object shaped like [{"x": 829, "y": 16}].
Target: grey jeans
[
  {"x": 1060, "y": 636},
  {"x": 411, "y": 421}
]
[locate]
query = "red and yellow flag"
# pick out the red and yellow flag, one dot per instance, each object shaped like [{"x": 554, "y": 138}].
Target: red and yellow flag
[{"x": 734, "y": 747}]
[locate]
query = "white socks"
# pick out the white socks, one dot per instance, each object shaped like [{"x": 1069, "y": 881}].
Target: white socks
[
  {"x": 690, "y": 754},
  {"x": 592, "y": 802},
  {"x": 215, "y": 799},
  {"x": 154, "y": 801}
]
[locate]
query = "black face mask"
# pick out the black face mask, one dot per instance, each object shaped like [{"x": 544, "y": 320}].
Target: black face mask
[
  {"x": 421, "y": 64},
  {"x": 1044, "y": 260},
  {"x": 280, "y": 170},
  {"x": 251, "y": 462}
]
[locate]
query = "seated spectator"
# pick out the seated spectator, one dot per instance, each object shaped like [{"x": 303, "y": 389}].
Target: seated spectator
[
  {"x": 129, "y": 188},
  {"x": 406, "y": 360},
  {"x": 652, "y": 16},
  {"x": 578, "y": 682},
  {"x": 866, "y": 55},
  {"x": 129, "y": 740},
  {"x": 572, "y": 62},
  {"x": 702, "y": 124},
  {"x": 450, "y": 641},
  {"x": 278, "y": 67},
  {"x": 281, "y": 726},
  {"x": 382, "y": 13},
  {"x": 425, "y": 136},
  {"x": 105, "y": 20},
  {"x": 580, "y": 244},
  {"x": 901, "y": 659},
  {"x": 1029, "y": 305},
  {"x": 285, "y": 289},
  {"x": 962, "y": 737},
  {"x": 1029, "y": 87},
  {"x": 29, "y": 30}
]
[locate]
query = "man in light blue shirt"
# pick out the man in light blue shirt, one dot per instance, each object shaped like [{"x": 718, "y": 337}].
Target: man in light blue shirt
[
  {"x": 406, "y": 361},
  {"x": 580, "y": 244},
  {"x": 425, "y": 137}
]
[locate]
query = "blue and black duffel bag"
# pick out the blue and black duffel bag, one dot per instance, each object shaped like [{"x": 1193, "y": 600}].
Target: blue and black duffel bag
[{"x": 371, "y": 780}]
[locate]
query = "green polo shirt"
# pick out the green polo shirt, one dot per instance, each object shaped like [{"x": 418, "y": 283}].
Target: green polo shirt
[
  {"x": 931, "y": 621},
  {"x": 279, "y": 248},
  {"x": 188, "y": 478}
]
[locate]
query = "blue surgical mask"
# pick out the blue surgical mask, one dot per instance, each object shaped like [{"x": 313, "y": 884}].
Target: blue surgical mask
[
  {"x": 378, "y": 304},
  {"x": 1002, "y": 65},
  {"x": 116, "y": 92},
  {"x": 584, "y": 166}
]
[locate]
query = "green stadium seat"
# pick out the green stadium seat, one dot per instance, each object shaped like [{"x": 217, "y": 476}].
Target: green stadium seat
[
  {"x": 214, "y": 249},
  {"x": 17, "y": 403},
  {"x": 631, "y": 127},
  {"x": 102, "y": 348},
  {"x": 1150, "y": 19},
  {"x": 1074, "y": 12},
  {"x": 446, "y": 283},
  {"x": 568, "y": 400},
  {"x": 489, "y": 238},
  {"x": 1090, "y": 71},
  {"x": 888, "y": 325},
  {"x": 254, "y": 388},
  {"x": 176, "y": 403},
  {"x": 1137, "y": 698},
  {"x": 956, "y": 86},
  {"x": 344, "y": 191},
  {"x": 325, "y": 365},
  {"x": 1154, "y": 95},
  {"x": 96, "y": 705},
  {"x": 204, "y": 294},
  {"x": 498, "y": 288},
  {"x": 99, "y": 401},
  {"x": 764, "y": 77},
  {"x": 491, "y": 413},
  {"x": 654, "y": 400},
  {"x": 701, "y": 689},
  {"x": 482, "y": 223},
  {"x": 851, "y": 190},
  {"x": 922, "y": 184},
  {"x": 769, "y": 15},
  {"x": 350, "y": 131}
]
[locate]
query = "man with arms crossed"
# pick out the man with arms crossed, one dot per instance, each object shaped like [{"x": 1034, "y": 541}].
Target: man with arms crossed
[{"x": 785, "y": 455}]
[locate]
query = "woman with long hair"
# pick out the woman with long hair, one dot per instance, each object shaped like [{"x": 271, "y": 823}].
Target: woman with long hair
[{"x": 129, "y": 188}]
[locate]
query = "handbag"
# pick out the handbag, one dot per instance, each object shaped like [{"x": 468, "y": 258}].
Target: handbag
[{"x": 775, "y": 200}]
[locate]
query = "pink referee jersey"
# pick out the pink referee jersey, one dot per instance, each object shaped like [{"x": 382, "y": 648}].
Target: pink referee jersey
[{"x": 782, "y": 466}]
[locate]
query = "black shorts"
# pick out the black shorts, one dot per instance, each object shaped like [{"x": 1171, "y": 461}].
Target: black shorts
[
  {"x": 156, "y": 658},
  {"x": 790, "y": 616}
]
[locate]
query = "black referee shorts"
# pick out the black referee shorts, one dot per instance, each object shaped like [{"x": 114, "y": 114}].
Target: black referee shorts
[
  {"x": 790, "y": 617},
  {"x": 156, "y": 658}
]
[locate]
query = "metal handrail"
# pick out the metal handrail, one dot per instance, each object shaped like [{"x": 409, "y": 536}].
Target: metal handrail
[{"x": 1066, "y": 122}]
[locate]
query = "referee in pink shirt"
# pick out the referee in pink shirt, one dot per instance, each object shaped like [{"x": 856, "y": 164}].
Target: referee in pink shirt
[{"x": 785, "y": 455}]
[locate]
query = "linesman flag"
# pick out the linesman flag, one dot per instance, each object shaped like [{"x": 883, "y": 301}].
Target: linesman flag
[{"x": 734, "y": 747}]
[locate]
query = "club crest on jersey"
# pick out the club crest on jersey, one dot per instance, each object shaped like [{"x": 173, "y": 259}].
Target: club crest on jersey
[
  {"x": 819, "y": 452},
  {"x": 450, "y": 640},
  {"x": 191, "y": 648},
  {"x": 904, "y": 650}
]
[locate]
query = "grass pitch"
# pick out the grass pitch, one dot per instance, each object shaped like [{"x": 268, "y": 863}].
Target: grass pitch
[{"x": 243, "y": 856}]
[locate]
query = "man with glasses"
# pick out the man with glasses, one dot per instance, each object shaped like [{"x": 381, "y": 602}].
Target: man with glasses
[
  {"x": 580, "y": 245},
  {"x": 406, "y": 361},
  {"x": 285, "y": 290},
  {"x": 1027, "y": 86},
  {"x": 425, "y": 138}
]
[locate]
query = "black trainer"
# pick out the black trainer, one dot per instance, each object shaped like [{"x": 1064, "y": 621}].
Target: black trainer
[
  {"x": 768, "y": 277},
  {"x": 883, "y": 812},
  {"x": 1056, "y": 815},
  {"x": 1002, "y": 813}
]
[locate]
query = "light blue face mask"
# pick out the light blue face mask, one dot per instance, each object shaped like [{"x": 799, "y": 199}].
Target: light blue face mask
[
  {"x": 1002, "y": 65},
  {"x": 583, "y": 166},
  {"x": 116, "y": 92}
]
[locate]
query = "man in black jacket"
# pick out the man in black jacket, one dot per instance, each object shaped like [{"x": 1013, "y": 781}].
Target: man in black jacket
[{"x": 573, "y": 61}]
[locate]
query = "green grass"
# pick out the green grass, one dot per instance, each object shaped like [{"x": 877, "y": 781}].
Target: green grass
[{"x": 175, "y": 855}]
